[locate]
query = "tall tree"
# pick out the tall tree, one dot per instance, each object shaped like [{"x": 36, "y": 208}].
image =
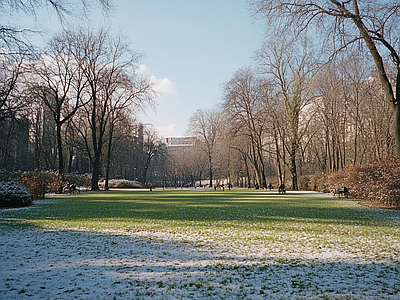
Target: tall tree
[
  {"x": 59, "y": 83},
  {"x": 106, "y": 64},
  {"x": 291, "y": 70},
  {"x": 152, "y": 148},
  {"x": 205, "y": 125},
  {"x": 244, "y": 95},
  {"x": 13, "y": 108},
  {"x": 11, "y": 73},
  {"x": 375, "y": 22},
  {"x": 124, "y": 92}
]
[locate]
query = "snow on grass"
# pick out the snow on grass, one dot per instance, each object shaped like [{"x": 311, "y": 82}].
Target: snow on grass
[{"x": 175, "y": 248}]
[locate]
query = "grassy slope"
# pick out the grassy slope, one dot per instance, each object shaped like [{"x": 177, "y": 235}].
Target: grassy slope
[{"x": 245, "y": 222}]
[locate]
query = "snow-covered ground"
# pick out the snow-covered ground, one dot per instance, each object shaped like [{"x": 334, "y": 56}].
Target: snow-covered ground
[{"x": 152, "y": 265}]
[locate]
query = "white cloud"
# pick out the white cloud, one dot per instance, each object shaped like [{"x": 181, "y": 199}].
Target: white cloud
[
  {"x": 165, "y": 87},
  {"x": 143, "y": 69}
]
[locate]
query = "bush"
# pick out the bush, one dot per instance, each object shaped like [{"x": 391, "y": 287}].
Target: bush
[
  {"x": 304, "y": 183},
  {"x": 377, "y": 183},
  {"x": 14, "y": 195},
  {"x": 79, "y": 179},
  {"x": 35, "y": 185},
  {"x": 55, "y": 183},
  {"x": 41, "y": 182},
  {"x": 317, "y": 182}
]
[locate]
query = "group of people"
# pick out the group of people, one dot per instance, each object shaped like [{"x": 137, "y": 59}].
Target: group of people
[
  {"x": 222, "y": 186},
  {"x": 282, "y": 188}
]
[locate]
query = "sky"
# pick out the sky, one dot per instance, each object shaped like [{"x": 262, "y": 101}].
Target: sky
[{"x": 191, "y": 47}]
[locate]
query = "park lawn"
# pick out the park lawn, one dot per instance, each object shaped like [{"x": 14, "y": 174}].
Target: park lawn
[
  {"x": 248, "y": 223},
  {"x": 199, "y": 244}
]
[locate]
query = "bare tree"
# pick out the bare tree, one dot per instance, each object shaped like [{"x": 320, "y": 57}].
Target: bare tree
[
  {"x": 11, "y": 73},
  {"x": 352, "y": 120},
  {"x": 58, "y": 81},
  {"x": 108, "y": 66},
  {"x": 205, "y": 125},
  {"x": 15, "y": 38},
  {"x": 152, "y": 148},
  {"x": 244, "y": 96},
  {"x": 291, "y": 71},
  {"x": 124, "y": 91},
  {"x": 374, "y": 22},
  {"x": 13, "y": 108}
]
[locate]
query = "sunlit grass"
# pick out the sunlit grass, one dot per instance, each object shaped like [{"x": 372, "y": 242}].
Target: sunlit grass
[{"x": 246, "y": 221}]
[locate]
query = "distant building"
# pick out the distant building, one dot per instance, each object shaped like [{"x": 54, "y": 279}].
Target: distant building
[{"x": 180, "y": 141}]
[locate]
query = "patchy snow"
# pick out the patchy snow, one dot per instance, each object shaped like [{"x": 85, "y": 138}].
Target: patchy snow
[{"x": 155, "y": 265}]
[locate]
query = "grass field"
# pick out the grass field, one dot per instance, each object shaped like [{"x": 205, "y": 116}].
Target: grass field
[{"x": 238, "y": 229}]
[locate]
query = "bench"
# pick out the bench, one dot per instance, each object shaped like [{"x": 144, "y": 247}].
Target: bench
[
  {"x": 69, "y": 188},
  {"x": 343, "y": 192}
]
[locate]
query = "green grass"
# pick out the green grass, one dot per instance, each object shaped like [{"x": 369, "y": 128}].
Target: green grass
[{"x": 239, "y": 220}]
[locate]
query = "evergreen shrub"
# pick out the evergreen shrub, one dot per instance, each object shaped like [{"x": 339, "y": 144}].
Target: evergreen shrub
[{"x": 14, "y": 195}]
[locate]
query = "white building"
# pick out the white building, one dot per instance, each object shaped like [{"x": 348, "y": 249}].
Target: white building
[{"x": 180, "y": 141}]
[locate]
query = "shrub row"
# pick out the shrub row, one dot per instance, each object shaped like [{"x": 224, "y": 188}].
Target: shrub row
[
  {"x": 41, "y": 182},
  {"x": 376, "y": 183}
]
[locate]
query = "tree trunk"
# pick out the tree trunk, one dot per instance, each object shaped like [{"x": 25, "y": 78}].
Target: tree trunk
[
  {"x": 70, "y": 159},
  {"x": 293, "y": 167},
  {"x": 247, "y": 173},
  {"x": 396, "y": 112},
  {"x": 263, "y": 180},
  {"x": 106, "y": 187},
  {"x": 278, "y": 157},
  {"x": 211, "y": 170},
  {"x": 96, "y": 172},
  {"x": 383, "y": 77},
  {"x": 396, "y": 120},
  {"x": 255, "y": 163},
  {"x": 59, "y": 149}
]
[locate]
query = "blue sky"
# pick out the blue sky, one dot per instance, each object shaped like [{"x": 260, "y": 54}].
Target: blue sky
[{"x": 192, "y": 47}]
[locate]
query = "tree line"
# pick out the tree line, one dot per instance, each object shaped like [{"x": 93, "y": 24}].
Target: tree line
[
  {"x": 71, "y": 105},
  {"x": 322, "y": 94},
  {"x": 76, "y": 100}
]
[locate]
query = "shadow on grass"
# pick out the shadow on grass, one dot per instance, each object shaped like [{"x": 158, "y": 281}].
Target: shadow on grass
[{"x": 67, "y": 265}]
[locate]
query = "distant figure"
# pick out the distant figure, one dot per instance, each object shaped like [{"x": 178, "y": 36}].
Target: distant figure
[
  {"x": 344, "y": 192},
  {"x": 282, "y": 188},
  {"x": 270, "y": 186},
  {"x": 223, "y": 187},
  {"x": 229, "y": 186},
  {"x": 257, "y": 186}
]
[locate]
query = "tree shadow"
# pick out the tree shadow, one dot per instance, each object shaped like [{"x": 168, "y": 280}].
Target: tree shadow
[{"x": 66, "y": 265}]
